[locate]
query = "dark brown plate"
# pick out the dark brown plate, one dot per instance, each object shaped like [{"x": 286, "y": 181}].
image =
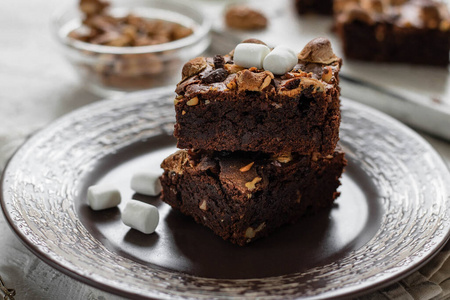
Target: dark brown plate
[{"x": 390, "y": 219}]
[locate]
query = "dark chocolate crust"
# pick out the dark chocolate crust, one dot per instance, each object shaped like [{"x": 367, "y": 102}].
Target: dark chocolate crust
[
  {"x": 322, "y": 7},
  {"x": 414, "y": 32},
  {"x": 254, "y": 110},
  {"x": 241, "y": 201}
]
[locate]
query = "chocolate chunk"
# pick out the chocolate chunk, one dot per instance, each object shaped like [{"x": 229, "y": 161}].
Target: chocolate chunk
[
  {"x": 292, "y": 84},
  {"x": 217, "y": 75},
  {"x": 219, "y": 61}
]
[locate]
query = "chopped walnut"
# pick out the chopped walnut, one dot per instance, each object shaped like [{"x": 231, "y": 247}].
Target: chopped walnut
[
  {"x": 244, "y": 18},
  {"x": 283, "y": 158},
  {"x": 318, "y": 50},
  {"x": 294, "y": 87},
  {"x": 327, "y": 74},
  {"x": 192, "y": 102},
  {"x": 251, "y": 233},
  {"x": 251, "y": 185},
  {"x": 203, "y": 205},
  {"x": 247, "y": 167},
  {"x": 251, "y": 81},
  {"x": 315, "y": 156},
  {"x": 193, "y": 67},
  {"x": 232, "y": 68}
]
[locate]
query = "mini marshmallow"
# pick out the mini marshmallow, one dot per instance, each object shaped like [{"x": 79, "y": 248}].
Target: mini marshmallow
[
  {"x": 249, "y": 55},
  {"x": 146, "y": 183},
  {"x": 103, "y": 196},
  {"x": 140, "y": 216},
  {"x": 280, "y": 60}
]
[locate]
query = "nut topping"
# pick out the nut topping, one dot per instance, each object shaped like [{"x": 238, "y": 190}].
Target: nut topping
[
  {"x": 318, "y": 50},
  {"x": 251, "y": 185},
  {"x": 251, "y": 233},
  {"x": 203, "y": 206},
  {"x": 232, "y": 68},
  {"x": 247, "y": 167},
  {"x": 327, "y": 74},
  {"x": 192, "y": 102},
  {"x": 250, "y": 81},
  {"x": 283, "y": 157},
  {"x": 193, "y": 67}
]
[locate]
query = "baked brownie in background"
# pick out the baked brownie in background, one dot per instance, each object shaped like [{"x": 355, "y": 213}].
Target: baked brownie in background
[
  {"x": 322, "y": 7},
  {"x": 415, "y": 32},
  {"x": 243, "y": 196},
  {"x": 222, "y": 106}
]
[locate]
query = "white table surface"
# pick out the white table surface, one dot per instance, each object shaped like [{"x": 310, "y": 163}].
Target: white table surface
[{"x": 37, "y": 86}]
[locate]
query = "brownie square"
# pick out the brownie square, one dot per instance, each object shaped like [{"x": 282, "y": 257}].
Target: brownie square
[
  {"x": 224, "y": 107},
  {"x": 321, "y": 7},
  {"x": 243, "y": 196},
  {"x": 415, "y": 32}
]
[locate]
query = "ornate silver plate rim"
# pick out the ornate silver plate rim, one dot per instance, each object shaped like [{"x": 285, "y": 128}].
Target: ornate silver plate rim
[{"x": 41, "y": 180}]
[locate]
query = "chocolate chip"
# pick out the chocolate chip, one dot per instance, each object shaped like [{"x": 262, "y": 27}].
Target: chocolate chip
[
  {"x": 292, "y": 84},
  {"x": 217, "y": 75},
  {"x": 219, "y": 61}
]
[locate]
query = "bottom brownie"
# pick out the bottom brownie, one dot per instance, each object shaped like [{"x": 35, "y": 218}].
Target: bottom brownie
[{"x": 243, "y": 196}]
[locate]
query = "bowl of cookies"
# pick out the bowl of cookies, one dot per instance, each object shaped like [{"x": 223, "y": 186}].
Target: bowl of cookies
[{"x": 124, "y": 46}]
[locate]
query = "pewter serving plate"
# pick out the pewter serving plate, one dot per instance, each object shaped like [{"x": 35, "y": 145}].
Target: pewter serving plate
[{"x": 391, "y": 218}]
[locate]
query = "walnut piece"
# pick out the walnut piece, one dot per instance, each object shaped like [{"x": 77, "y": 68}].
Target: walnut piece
[
  {"x": 232, "y": 68},
  {"x": 193, "y": 67},
  {"x": 327, "y": 74},
  {"x": 250, "y": 81},
  {"x": 203, "y": 206},
  {"x": 318, "y": 50},
  {"x": 251, "y": 185},
  {"x": 247, "y": 167},
  {"x": 244, "y": 18},
  {"x": 283, "y": 157},
  {"x": 251, "y": 233},
  {"x": 192, "y": 102}
]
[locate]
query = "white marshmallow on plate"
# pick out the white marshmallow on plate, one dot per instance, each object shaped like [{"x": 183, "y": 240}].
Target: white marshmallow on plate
[
  {"x": 281, "y": 60},
  {"x": 249, "y": 55},
  {"x": 140, "y": 216},
  {"x": 146, "y": 183},
  {"x": 103, "y": 196}
]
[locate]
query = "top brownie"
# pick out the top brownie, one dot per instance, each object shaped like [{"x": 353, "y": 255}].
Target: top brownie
[{"x": 223, "y": 106}]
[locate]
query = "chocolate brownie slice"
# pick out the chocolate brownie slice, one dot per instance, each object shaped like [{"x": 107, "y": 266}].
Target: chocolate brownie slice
[
  {"x": 243, "y": 196},
  {"x": 416, "y": 31},
  {"x": 322, "y": 7},
  {"x": 223, "y": 106}
]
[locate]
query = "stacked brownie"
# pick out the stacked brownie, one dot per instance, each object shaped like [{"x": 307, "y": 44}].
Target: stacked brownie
[{"x": 260, "y": 150}]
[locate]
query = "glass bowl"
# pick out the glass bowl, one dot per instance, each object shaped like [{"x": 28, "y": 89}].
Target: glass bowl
[{"x": 108, "y": 70}]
